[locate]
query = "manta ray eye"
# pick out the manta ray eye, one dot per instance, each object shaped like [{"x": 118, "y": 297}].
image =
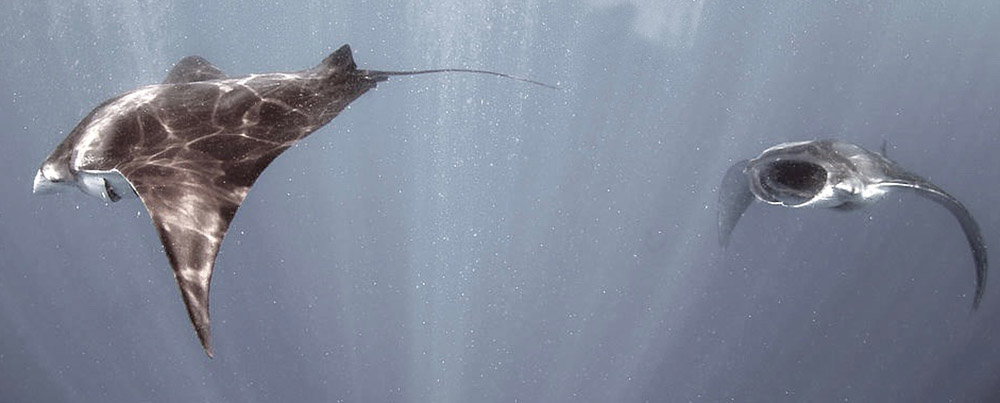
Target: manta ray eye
[{"x": 793, "y": 182}]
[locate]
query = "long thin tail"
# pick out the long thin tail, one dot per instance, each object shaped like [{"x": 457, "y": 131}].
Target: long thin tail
[{"x": 382, "y": 75}]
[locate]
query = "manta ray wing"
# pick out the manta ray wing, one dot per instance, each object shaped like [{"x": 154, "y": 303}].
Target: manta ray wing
[
  {"x": 734, "y": 199},
  {"x": 192, "y": 69},
  {"x": 969, "y": 225},
  {"x": 192, "y": 200},
  {"x": 199, "y": 149}
]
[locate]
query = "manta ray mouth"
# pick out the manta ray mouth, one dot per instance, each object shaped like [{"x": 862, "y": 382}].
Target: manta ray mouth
[{"x": 791, "y": 183}]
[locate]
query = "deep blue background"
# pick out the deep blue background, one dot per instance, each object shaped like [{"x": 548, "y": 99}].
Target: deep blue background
[{"x": 460, "y": 238}]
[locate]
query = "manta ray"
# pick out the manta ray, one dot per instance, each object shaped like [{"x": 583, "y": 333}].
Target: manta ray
[
  {"x": 833, "y": 174},
  {"x": 192, "y": 146}
]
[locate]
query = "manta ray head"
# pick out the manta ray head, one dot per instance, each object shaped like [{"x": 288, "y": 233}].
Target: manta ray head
[{"x": 55, "y": 176}]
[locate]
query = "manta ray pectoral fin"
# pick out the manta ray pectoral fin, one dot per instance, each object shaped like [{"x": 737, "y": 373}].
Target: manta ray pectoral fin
[
  {"x": 192, "y": 198},
  {"x": 191, "y": 213},
  {"x": 969, "y": 226},
  {"x": 734, "y": 199},
  {"x": 192, "y": 69}
]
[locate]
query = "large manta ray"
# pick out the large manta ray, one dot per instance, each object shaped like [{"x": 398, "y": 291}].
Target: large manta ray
[
  {"x": 191, "y": 147},
  {"x": 833, "y": 174}
]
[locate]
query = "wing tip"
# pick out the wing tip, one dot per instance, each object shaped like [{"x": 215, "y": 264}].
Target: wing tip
[
  {"x": 980, "y": 286},
  {"x": 724, "y": 235},
  {"x": 723, "y": 240},
  {"x": 192, "y": 69},
  {"x": 205, "y": 336},
  {"x": 734, "y": 199}
]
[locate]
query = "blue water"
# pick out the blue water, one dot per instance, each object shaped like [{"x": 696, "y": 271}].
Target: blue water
[{"x": 461, "y": 238}]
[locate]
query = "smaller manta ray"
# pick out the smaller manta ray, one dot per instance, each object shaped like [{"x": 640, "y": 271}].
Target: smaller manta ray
[
  {"x": 832, "y": 174},
  {"x": 191, "y": 147}
]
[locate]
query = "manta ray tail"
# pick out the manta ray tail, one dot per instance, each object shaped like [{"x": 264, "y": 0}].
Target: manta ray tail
[
  {"x": 342, "y": 60},
  {"x": 378, "y": 75},
  {"x": 383, "y": 75}
]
